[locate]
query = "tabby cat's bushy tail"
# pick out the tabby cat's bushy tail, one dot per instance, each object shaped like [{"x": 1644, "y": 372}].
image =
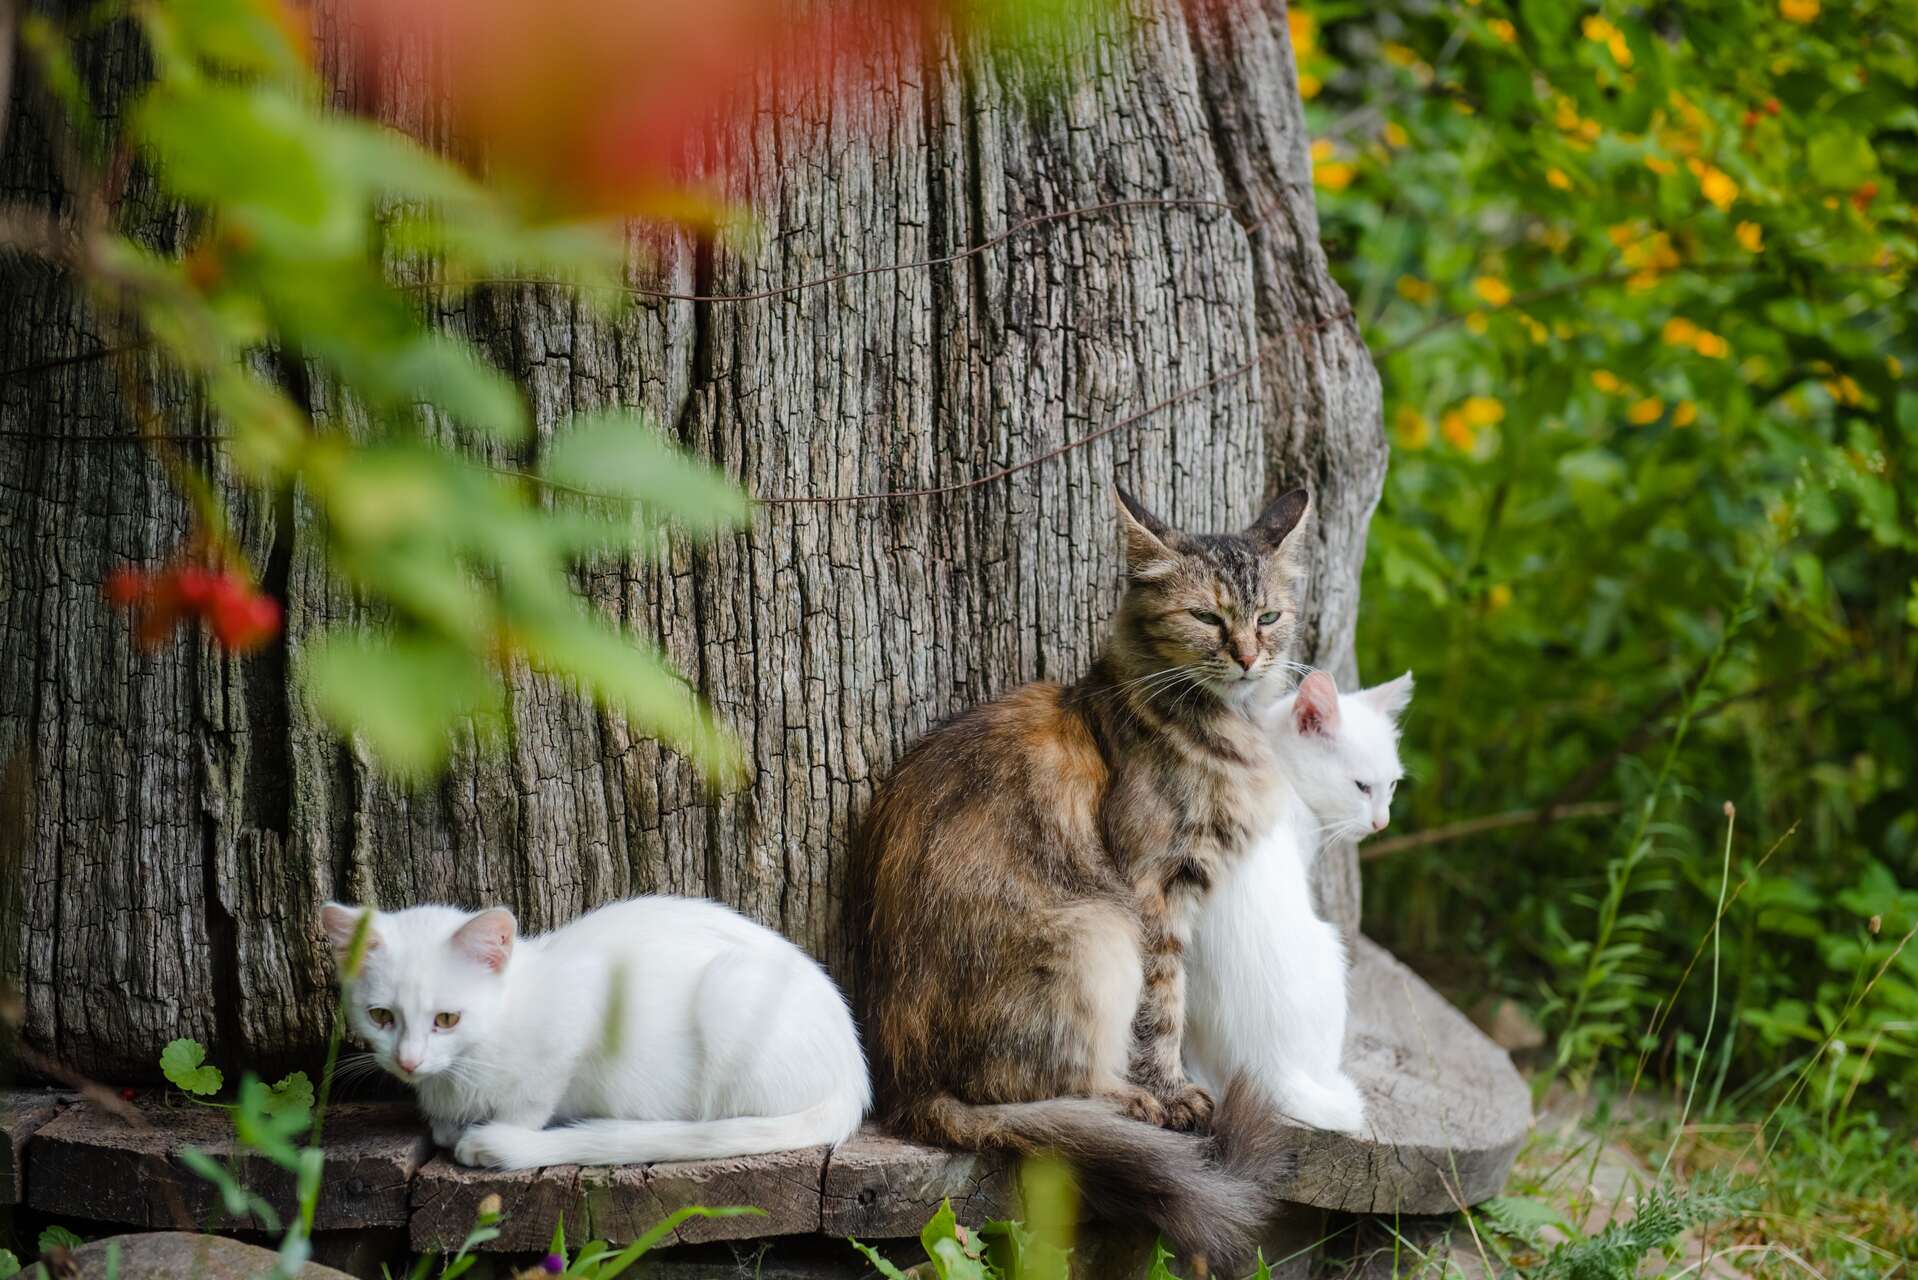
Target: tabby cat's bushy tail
[{"x": 1208, "y": 1195}]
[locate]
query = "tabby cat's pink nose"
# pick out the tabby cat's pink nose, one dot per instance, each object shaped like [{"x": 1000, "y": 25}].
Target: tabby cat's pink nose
[{"x": 1246, "y": 660}]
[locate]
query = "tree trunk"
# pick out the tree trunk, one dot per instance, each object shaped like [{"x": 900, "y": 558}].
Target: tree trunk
[{"x": 175, "y": 816}]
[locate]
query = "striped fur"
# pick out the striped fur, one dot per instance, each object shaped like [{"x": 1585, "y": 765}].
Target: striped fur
[{"x": 1032, "y": 868}]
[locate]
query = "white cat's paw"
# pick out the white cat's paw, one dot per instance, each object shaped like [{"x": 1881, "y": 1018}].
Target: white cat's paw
[
  {"x": 499, "y": 1146},
  {"x": 1343, "y": 1106}
]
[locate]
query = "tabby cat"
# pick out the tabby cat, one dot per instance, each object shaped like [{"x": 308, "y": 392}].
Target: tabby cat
[{"x": 1033, "y": 867}]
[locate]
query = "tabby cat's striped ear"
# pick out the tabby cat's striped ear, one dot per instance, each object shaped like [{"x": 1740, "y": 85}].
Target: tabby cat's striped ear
[
  {"x": 1283, "y": 517},
  {"x": 1148, "y": 539}
]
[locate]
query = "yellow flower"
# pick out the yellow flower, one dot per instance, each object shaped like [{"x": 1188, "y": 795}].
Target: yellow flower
[
  {"x": 1718, "y": 187},
  {"x": 1640, "y": 281},
  {"x": 1309, "y": 85},
  {"x": 1483, "y": 411},
  {"x": 1710, "y": 345},
  {"x": 1304, "y": 30},
  {"x": 1535, "y": 330},
  {"x": 1589, "y": 130},
  {"x": 1323, "y": 149},
  {"x": 1400, "y": 55},
  {"x": 1621, "y": 233},
  {"x": 1800, "y": 11},
  {"x": 1751, "y": 237},
  {"x": 1607, "y": 381},
  {"x": 1597, "y": 29},
  {"x": 1504, "y": 30},
  {"x": 1646, "y": 411},
  {"x": 1895, "y": 367},
  {"x": 1679, "y": 332},
  {"x": 1556, "y": 178},
  {"x": 1498, "y": 597},
  {"x": 1394, "y": 134},
  {"x": 1413, "y": 289},
  {"x": 1685, "y": 414},
  {"x": 1494, "y": 290},
  {"x": 1410, "y": 428},
  {"x": 1844, "y": 390},
  {"x": 1334, "y": 175},
  {"x": 1457, "y": 432},
  {"x": 1476, "y": 323},
  {"x": 1621, "y": 49},
  {"x": 1659, "y": 165}
]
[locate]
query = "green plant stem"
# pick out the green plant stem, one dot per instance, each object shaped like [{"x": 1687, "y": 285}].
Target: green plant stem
[{"x": 1637, "y": 847}]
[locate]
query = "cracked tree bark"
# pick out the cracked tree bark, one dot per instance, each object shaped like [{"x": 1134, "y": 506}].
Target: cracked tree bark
[{"x": 172, "y": 818}]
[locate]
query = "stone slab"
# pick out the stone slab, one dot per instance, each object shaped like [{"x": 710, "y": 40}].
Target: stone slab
[{"x": 176, "y": 1255}]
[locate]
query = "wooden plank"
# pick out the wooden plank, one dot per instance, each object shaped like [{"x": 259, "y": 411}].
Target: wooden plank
[
  {"x": 22, "y": 1113},
  {"x": 89, "y": 1164},
  {"x": 619, "y": 1203},
  {"x": 1446, "y": 1111},
  {"x": 447, "y": 1196},
  {"x": 879, "y": 1187}
]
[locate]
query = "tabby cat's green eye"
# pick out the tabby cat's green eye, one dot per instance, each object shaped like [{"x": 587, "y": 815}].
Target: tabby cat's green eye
[
  {"x": 1210, "y": 619},
  {"x": 1268, "y": 618}
]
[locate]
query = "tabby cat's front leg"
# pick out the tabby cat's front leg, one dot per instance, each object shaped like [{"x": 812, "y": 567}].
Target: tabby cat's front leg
[{"x": 1159, "y": 1029}]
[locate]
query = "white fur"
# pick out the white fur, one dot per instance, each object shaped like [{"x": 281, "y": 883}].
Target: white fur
[
  {"x": 1265, "y": 976},
  {"x": 653, "y": 1029}
]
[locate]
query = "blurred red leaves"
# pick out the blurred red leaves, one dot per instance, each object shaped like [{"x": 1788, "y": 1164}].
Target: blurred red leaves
[
  {"x": 240, "y": 616},
  {"x": 633, "y": 107}
]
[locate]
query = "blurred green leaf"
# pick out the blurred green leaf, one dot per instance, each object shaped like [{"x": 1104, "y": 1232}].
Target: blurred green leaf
[
  {"x": 404, "y": 696},
  {"x": 619, "y": 455}
]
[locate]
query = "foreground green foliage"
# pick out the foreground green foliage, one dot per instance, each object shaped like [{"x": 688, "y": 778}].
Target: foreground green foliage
[{"x": 326, "y": 382}]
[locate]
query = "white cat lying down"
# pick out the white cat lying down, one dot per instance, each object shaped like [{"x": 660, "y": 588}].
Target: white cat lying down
[
  {"x": 656, "y": 1029},
  {"x": 1265, "y": 976}
]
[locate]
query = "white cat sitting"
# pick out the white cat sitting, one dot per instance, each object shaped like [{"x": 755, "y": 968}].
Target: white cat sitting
[
  {"x": 655, "y": 1029},
  {"x": 1265, "y": 976}
]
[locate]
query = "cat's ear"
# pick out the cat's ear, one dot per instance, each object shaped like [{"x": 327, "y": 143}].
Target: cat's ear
[
  {"x": 1391, "y": 697},
  {"x": 340, "y": 922},
  {"x": 1148, "y": 539},
  {"x": 1316, "y": 709},
  {"x": 1282, "y": 525},
  {"x": 487, "y": 938}
]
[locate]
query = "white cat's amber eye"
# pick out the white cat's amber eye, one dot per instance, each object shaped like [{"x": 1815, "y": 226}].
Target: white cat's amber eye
[
  {"x": 1268, "y": 618},
  {"x": 1365, "y": 788},
  {"x": 446, "y": 1021},
  {"x": 381, "y": 1017}
]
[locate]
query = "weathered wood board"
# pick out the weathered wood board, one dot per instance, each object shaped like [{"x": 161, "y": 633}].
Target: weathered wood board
[
  {"x": 22, "y": 1113},
  {"x": 88, "y": 1164},
  {"x": 1448, "y": 1113}
]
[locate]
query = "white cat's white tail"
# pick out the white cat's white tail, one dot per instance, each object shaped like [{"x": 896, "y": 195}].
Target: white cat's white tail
[
  {"x": 1265, "y": 976},
  {"x": 504, "y": 1146}
]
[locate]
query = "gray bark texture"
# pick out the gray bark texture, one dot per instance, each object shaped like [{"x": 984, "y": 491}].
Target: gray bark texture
[{"x": 169, "y": 820}]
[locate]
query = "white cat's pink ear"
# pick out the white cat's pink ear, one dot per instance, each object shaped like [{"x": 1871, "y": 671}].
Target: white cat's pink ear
[
  {"x": 340, "y": 922},
  {"x": 1316, "y": 709},
  {"x": 487, "y": 938},
  {"x": 1392, "y": 697}
]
